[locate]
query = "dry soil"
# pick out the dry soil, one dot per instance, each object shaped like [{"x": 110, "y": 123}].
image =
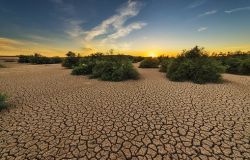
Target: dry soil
[{"x": 60, "y": 116}]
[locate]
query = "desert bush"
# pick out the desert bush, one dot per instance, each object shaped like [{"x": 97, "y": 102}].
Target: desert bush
[
  {"x": 39, "y": 59},
  {"x": 114, "y": 70},
  {"x": 82, "y": 69},
  {"x": 3, "y": 103},
  {"x": 136, "y": 59},
  {"x": 237, "y": 65},
  {"x": 233, "y": 65},
  {"x": 10, "y": 60},
  {"x": 56, "y": 60},
  {"x": 24, "y": 59},
  {"x": 124, "y": 72},
  {"x": 101, "y": 67},
  {"x": 106, "y": 67},
  {"x": 164, "y": 64},
  {"x": 2, "y": 66},
  {"x": 195, "y": 65},
  {"x": 71, "y": 60},
  {"x": 149, "y": 63},
  {"x": 236, "y": 62},
  {"x": 244, "y": 67}
]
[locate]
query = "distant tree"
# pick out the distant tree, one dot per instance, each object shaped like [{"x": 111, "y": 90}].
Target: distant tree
[{"x": 71, "y": 60}]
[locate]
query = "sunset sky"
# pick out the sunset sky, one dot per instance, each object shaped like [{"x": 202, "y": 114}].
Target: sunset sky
[{"x": 137, "y": 27}]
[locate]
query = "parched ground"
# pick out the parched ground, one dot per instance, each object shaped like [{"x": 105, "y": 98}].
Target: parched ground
[{"x": 59, "y": 116}]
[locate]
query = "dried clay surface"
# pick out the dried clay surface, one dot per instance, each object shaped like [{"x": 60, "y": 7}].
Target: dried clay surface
[{"x": 60, "y": 116}]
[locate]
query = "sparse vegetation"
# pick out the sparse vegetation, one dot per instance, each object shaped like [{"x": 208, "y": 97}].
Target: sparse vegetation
[
  {"x": 106, "y": 67},
  {"x": 164, "y": 64},
  {"x": 71, "y": 60},
  {"x": 114, "y": 70},
  {"x": 39, "y": 59},
  {"x": 245, "y": 67},
  {"x": 236, "y": 62},
  {"x": 82, "y": 69},
  {"x": 3, "y": 103},
  {"x": 137, "y": 59},
  {"x": 195, "y": 65},
  {"x": 150, "y": 63},
  {"x": 2, "y": 66},
  {"x": 10, "y": 60}
]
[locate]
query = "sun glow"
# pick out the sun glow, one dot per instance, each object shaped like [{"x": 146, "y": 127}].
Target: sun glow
[{"x": 152, "y": 54}]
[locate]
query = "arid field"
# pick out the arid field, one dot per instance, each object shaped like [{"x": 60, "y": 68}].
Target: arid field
[{"x": 59, "y": 116}]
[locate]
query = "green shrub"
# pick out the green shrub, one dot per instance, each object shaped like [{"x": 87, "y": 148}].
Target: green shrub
[
  {"x": 165, "y": 64},
  {"x": 149, "y": 63},
  {"x": 233, "y": 65},
  {"x": 100, "y": 68},
  {"x": 2, "y": 66},
  {"x": 180, "y": 70},
  {"x": 24, "y": 59},
  {"x": 71, "y": 60},
  {"x": 236, "y": 62},
  {"x": 137, "y": 59},
  {"x": 244, "y": 67},
  {"x": 82, "y": 69},
  {"x": 9, "y": 60},
  {"x": 195, "y": 66},
  {"x": 56, "y": 60},
  {"x": 108, "y": 70},
  {"x": 126, "y": 71},
  {"x": 115, "y": 71},
  {"x": 106, "y": 67},
  {"x": 207, "y": 70},
  {"x": 3, "y": 103},
  {"x": 39, "y": 59}
]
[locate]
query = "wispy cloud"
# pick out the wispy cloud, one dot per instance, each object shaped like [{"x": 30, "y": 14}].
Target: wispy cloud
[
  {"x": 38, "y": 38},
  {"x": 126, "y": 30},
  {"x": 116, "y": 23},
  {"x": 196, "y": 3},
  {"x": 74, "y": 28},
  {"x": 21, "y": 46},
  {"x": 202, "y": 29},
  {"x": 237, "y": 9},
  {"x": 208, "y": 13},
  {"x": 7, "y": 42}
]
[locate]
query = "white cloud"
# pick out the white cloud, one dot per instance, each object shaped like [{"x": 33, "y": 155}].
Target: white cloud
[
  {"x": 208, "y": 13},
  {"x": 74, "y": 28},
  {"x": 7, "y": 41},
  {"x": 202, "y": 29},
  {"x": 103, "y": 35},
  {"x": 237, "y": 9},
  {"x": 116, "y": 23},
  {"x": 126, "y": 30},
  {"x": 197, "y": 3}
]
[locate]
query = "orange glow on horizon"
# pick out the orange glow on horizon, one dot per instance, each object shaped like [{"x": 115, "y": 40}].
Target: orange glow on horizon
[
  {"x": 152, "y": 54},
  {"x": 50, "y": 51}
]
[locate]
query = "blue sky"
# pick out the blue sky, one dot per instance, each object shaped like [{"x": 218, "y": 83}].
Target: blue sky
[{"x": 138, "y": 27}]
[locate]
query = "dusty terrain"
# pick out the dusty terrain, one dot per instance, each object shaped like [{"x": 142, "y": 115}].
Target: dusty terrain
[{"x": 58, "y": 116}]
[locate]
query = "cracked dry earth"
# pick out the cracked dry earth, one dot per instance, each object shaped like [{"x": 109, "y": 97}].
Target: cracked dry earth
[{"x": 59, "y": 116}]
